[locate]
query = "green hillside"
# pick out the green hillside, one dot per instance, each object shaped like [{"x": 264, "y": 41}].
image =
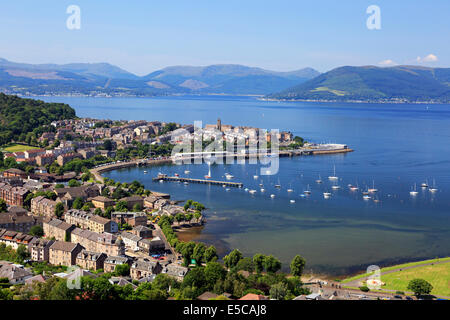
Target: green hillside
[
  {"x": 408, "y": 83},
  {"x": 21, "y": 117}
]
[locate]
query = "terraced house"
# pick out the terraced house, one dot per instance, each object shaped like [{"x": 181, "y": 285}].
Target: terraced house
[
  {"x": 57, "y": 229},
  {"x": 99, "y": 242},
  {"x": 63, "y": 253},
  {"x": 92, "y": 222},
  {"x": 41, "y": 206}
]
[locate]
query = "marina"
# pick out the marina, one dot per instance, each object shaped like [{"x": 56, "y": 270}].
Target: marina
[{"x": 163, "y": 177}]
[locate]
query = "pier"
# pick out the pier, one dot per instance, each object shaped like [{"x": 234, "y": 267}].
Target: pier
[{"x": 201, "y": 181}]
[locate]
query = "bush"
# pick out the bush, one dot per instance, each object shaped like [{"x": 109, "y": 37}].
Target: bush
[{"x": 364, "y": 289}]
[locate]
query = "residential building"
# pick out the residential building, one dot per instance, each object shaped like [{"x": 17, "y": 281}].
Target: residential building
[
  {"x": 90, "y": 260},
  {"x": 18, "y": 222},
  {"x": 41, "y": 206},
  {"x": 39, "y": 249},
  {"x": 112, "y": 261},
  {"x": 132, "y": 218},
  {"x": 175, "y": 270},
  {"x": 132, "y": 201},
  {"x": 102, "y": 202},
  {"x": 131, "y": 240},
  {"x": 14, "y": 196},
  {"x": 63, "y": 253},
  {"x": 44, "y": 159},
  {"x": 141, "y": 269},
  {"x": 15, "y": 274},
  {"x": 99, "y": 242},
  {"x": 143, "y": 232},
  {"x": 90, "y": 221},
  {"x": 62, "y": 159},
  {"x": 57, "y": 229}
]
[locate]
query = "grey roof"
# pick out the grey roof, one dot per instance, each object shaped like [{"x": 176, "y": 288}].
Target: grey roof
[
  {"x": 13, "y": 272},
  {"x": 130, "y": 236},
  {"x": 117, "y": 260}
]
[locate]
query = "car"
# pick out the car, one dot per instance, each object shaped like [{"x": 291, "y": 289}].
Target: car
[
  {"x": 398, "y": 297},
  {"x": 409, "y": 298}
]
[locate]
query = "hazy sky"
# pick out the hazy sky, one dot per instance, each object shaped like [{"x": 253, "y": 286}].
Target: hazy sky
[{"x": 143, "y": 36}]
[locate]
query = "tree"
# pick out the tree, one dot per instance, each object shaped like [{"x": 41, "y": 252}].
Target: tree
[
  {"x": 271, "y": 264},
  {"x": 232, "y": 259},
  {"x": 258, "y": 261},
  {"x": 107, "y": 145},
  {"x": 137, "y": 207},
  {"x": 245, "y": 264},
  {"x": 214, "y": 272},
  {"x": 74, "y": 183},
  {"x": 297, "y": 266},
  {"x": 420, "y": 287},
  {"x": 211, "y": 254},
  {"x": 195, "y": 278},
  {"x": 3, "y": 205},
  {"x": 59, "y": 209},
  {"x": 278, "y": 291},
  {"x": 199, "y": 251},
  {"x": 98, "y": 212},
  {"x": 77, "y": 203},
  {"x": 37, "y": 231},
  {"x": 22, "y": 253},
  {"x": 122, "y": 206},
  {"x": 122, "y": 270}
]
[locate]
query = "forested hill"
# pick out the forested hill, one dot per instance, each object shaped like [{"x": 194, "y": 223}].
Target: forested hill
[
  {"x": 401, "y": 83},
  {"x": 19, "y": 117}
]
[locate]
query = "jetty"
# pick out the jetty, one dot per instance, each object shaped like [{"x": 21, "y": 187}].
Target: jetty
[{"x": 163, "y": 177}]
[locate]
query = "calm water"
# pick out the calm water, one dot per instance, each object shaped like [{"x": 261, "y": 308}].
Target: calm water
[{"x": 395, "y": 145}]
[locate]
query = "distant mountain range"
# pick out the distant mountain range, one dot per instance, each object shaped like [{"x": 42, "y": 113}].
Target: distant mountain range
[
  {"x": 107, "y": 79},
  {"x": 369, "y": 83}
]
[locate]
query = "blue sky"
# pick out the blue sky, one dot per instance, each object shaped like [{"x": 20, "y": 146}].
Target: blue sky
[{"x": 143, "y": 36}]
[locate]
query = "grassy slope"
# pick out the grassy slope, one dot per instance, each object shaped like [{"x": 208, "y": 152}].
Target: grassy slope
[{"x": 18, "y": 148}]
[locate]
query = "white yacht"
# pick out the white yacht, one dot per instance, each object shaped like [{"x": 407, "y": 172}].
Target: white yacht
[
  {"x": 307, "y": 191},
  {"x": 433, "y": 188},
  {"x": 335, "y": 187},
  {"x": 367, "y": 197},
  {"x": 372, "y": 190},
  {"x": 252, "y": 191},
  {"x": 272, "y": 196},
  {"x": 424, "y": 184},
  {"x": 414, "y": 191},
  {"x": 333, "y": 177},
  {"x": 326, "y": 195},
  {"x": 319, "y": 180},
  {"x": 292, "y": 201}
]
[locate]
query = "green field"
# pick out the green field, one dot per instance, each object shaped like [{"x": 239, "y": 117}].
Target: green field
[
  {"x": 410, "y": 264},
  {"x": 438, "y": 275},
  {"x": 18, "y": 148}
]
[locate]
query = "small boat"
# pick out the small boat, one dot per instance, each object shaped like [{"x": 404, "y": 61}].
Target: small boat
[
  {"x": 272, "y": 196},
  {"x": 224, "y": 185},
  {"x": 424, "y": 185},
  {"x": 252, "y": 191},
  {"x": 307, "y": 191},
  {"x": 207, "y": 177},
  {"x": 145, "y": 171},
  {"x": 246, "y": 189},
  {"x": 333, "y": 177},
  {"x": 256, "y": 176},
  {"x": 326, "y": 195},
  {"x": 292, "y": 201},
  {"x": 177, "y": 175},
  {"x": 367, "y": 197},
  {"x": 302, "y": 196},
  {"x": 186, "y": 172},
  {"x": 372, "y": 190},
  {"x": 278, "y": 186},
  {"x": 263, "y": 190},
  {"x": 186, "y": 183},
  {"x": 433, "y": 188},
  {"x": 227, "y": 189},
  {"x": 161, "y": 181},
  {"x": 335, "y": 187},
  {"x": 376, "y": 200},
  {"x": 319, "y": 180},
  {"x": 229, "y": 176},
  {"x": 365, "y": 193},
  {"x": 290, "y": 190},
  {"x": 414, "y": 191},
  {"x": 354, "y": 188}
]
